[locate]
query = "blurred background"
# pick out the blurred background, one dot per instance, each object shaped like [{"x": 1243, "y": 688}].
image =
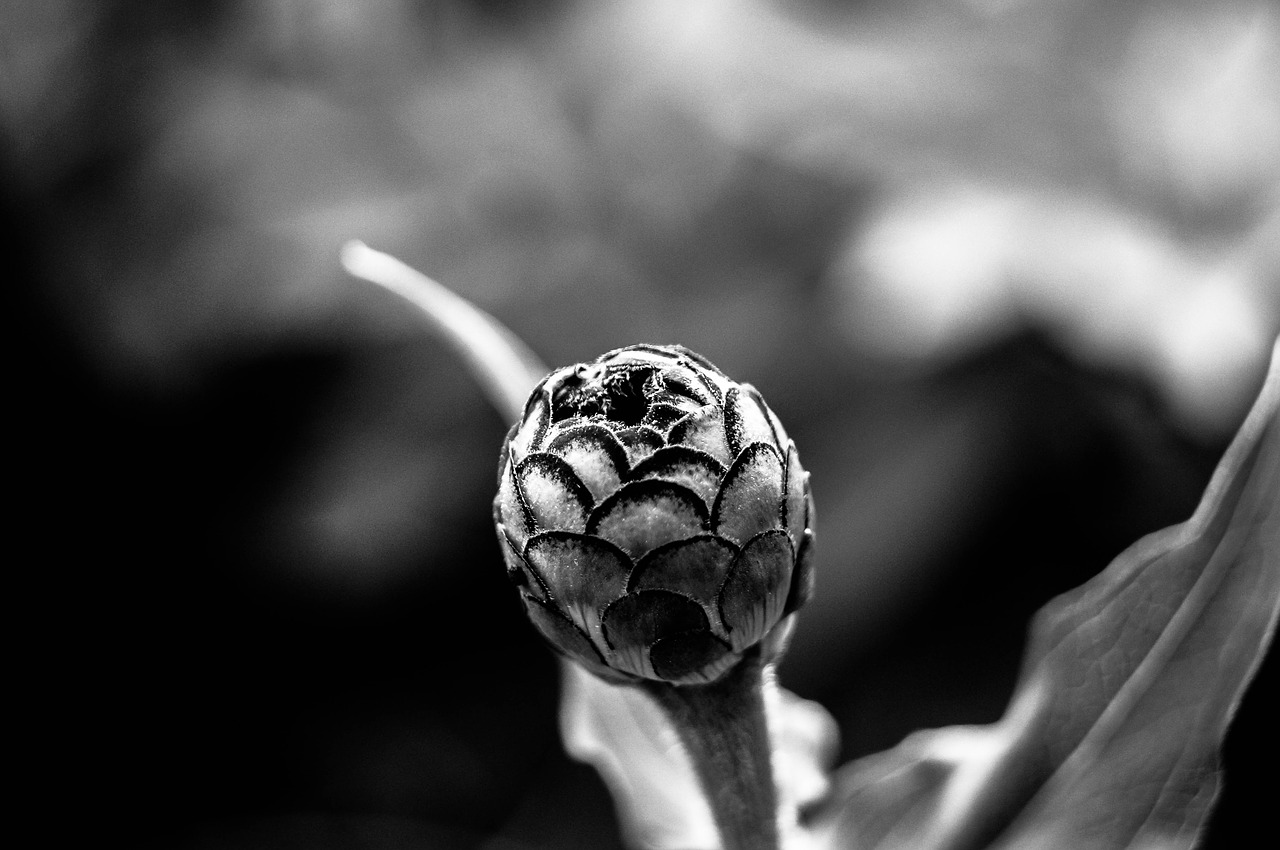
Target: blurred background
[{"x": 1009, "y": 271}]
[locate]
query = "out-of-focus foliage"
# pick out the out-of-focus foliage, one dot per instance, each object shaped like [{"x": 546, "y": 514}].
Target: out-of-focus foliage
[
  {"x": 1111, "y": 738},
  {"x": 259, "y": 492}
]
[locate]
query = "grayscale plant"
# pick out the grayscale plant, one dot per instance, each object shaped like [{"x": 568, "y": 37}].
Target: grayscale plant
[{"x": 656, "y": 520}]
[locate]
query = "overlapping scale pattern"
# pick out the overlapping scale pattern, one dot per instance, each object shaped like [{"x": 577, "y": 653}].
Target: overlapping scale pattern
[{"x": 654, "y": 515}]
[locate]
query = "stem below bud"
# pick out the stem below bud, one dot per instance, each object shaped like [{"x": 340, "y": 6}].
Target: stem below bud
[{"x": 723, "y": 727}]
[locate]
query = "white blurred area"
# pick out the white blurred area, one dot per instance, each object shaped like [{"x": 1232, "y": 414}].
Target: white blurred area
[
  {"x": 1110, "y": 175},
  {"x": 942, "y": 271}
]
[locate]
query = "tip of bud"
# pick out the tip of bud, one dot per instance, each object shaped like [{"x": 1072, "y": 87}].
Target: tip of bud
[{"x": 619, "y": 395}]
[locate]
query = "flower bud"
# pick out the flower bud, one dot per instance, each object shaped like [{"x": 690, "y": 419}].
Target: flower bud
[{"x": 654, "y": 515}]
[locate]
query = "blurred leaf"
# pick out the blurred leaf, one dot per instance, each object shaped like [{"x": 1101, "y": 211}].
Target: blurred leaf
[
  {"x": 1130, "y": 681},
  {"x": 623, "y": 734}
]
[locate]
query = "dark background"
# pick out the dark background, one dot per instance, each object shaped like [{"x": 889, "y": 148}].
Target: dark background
[{"x": 259, "y": 602}]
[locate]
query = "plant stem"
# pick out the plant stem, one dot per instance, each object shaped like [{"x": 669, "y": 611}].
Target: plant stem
[{"x": 723, "y": 727}]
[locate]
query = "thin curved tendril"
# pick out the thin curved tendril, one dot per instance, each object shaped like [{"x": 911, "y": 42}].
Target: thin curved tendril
[{"x": 505, "y": 367}]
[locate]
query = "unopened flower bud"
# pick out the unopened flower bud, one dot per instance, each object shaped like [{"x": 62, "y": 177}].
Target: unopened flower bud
[{"x": 654, "y": 515}]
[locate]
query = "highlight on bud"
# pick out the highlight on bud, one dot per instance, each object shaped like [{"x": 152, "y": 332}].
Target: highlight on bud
[{"x": 654, "y": 515}]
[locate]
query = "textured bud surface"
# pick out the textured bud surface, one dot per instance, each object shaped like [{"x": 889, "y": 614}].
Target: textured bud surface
[{"x": 654, "y": 515}]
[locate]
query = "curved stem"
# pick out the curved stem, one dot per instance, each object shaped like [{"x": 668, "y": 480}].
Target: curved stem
[
  {"x": 506, "y": 368},
  {"x": 724, "y": 729}
]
